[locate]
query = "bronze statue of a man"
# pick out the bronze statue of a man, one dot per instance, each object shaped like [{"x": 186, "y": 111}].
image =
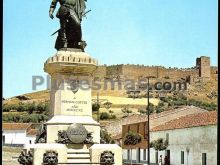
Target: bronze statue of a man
[{"x": 70, "y": 14}]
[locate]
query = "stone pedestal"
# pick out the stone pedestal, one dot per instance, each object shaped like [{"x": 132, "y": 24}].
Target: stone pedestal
[
  {"x": 98, "y": 149},
  {"x": 39, "y": 150},
  {"x": 72, "y": 135},
  {"x": 70, "y": 95}
]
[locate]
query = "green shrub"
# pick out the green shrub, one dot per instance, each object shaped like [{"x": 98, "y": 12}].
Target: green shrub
[
  {"x": 159, "y": 109},
  {"x": 142, "y": 111},
  {"x": 126, "y": 110},
  {"x": 113, "y": 116},
  {"x": 24, "y": 118},
  {"x": 132, "y": 138},
  {"x": 104, "y": 116},
  {"x": 203, "y": 105},
  {"x": 40, "y": 108},
  {"x": 95, "y": 107},
  {"x": 160, "y": 104},
  {"x": 21, "y": 108}
]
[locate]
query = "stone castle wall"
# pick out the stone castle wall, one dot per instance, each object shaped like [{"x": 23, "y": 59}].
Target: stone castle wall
[
  {"x": 156, "y": 71},
  {"x": 202, "y": 69},
  {"x": 139, "y": 71},
  {"x": 214, "y": 70},
  {"x": 203, "y": 63},
  {"x": 100, "y": 72},
  {"x": 114, "y": 71}
]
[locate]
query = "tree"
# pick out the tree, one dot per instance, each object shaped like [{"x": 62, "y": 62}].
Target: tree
[
  {"x": 142, "y": 111},
  {"x": 126, "y": 110},
  {"x": 159, "y": 145},
  {"x": 107, "y": 104},
  {"x": 151, "y": 108},
  {"x": 132, "y": 139},
  {"x": 105, "y": 137},
  {"x": 111, "y": 112}
]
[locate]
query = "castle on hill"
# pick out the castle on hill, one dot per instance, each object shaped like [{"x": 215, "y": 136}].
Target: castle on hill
[{"x": 200, "y": 72}]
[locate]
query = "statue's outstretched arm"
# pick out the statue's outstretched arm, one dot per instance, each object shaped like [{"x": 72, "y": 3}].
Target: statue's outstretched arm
[{"x": 52, "y": 8}]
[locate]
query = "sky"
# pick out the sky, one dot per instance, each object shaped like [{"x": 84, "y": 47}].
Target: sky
[{"x": 170, "y": 33}]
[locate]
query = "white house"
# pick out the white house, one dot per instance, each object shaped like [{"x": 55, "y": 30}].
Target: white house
[
  {"x": 18, "y": 134},
  {"x": 192, "y": 141}
]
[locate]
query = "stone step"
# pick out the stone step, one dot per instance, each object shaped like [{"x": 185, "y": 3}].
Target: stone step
[
  {"x": 78, "y": 155},
  {"x": 78, "y": 150},
  {"x": 80, "y": 160},
  {"x": 73, "y": 155},
  {"x": 71, "y": 152}
]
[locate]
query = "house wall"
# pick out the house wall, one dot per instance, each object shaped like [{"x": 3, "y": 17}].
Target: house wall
[
  {"x": 139, "y": 128},
  {"x": 30, "y": 139},
  {"x": 14, "y": 137},
  {"x": 198, "y": 139}
]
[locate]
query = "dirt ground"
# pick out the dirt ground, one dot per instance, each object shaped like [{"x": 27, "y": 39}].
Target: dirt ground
[{"x": 8, "y": 153}]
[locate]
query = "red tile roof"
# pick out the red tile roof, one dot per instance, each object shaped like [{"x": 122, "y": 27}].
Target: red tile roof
[
  {"x": 15, "y": 126},
  {"x": 135, "y": 118},
  {"x": 32, "y": 132},
  {"x": 138, "y": 118},
  {"x": 194, "y": 120}
]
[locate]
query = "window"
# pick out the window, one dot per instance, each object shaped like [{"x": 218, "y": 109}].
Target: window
[
  {"x": 167, "y": 137},
  {"x": 145, "y": 131},
  {"x": 129, "y": 128},
  {"x": 138, "y": 155},
  {"x": 138, "y": 128},
  {"x": 145, "y": 154},
  {"x": 156, "y": 157},
  {"x": 182, "y": 157},
  {"x": 3, "y": 140},
  {"x": 204, "y": 159},
  {"x": 167, "y": 153},
  {"x": 128, "y": 154}
]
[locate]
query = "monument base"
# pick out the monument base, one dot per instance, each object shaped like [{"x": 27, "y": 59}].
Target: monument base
[
  {"x": 61, "y": 122},
  {"x": 98, "y": 152},
  {"x": 60, "y": 153},
  {"x": 72, "y": 136}
]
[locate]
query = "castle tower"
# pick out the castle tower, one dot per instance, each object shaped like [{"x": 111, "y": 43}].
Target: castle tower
[{"x": 203, "y": 64}]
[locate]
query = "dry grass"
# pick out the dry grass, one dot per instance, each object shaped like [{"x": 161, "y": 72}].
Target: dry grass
[
  {"x": 12, "y": 149},
  {"x": 9, "y": 155},
  {"x": 127, "y": 101},
  {"x": 119, "y": 97}
]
